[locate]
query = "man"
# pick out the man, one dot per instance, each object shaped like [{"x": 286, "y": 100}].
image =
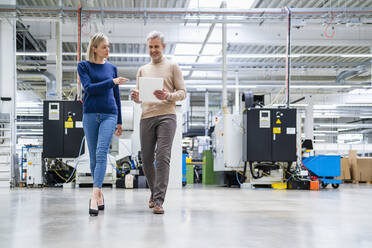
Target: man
[{"x": 158, "y": 121}]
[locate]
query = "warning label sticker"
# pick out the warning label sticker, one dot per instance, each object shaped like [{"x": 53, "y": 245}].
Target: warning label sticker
[{"x": 277, "y": 130}]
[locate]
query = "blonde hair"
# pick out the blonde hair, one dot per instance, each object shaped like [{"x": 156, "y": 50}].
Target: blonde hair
[{"x": 95, "y": 40}]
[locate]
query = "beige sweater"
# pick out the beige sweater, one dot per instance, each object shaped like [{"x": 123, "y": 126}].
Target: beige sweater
[{"x": 173, "y": 83}]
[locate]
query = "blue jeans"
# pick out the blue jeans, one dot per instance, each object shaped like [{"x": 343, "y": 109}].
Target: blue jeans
[{"x": 98, "y": 129}]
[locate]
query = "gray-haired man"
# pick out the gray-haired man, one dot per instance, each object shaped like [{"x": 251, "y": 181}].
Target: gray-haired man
[{"x": 158, "y": 121}]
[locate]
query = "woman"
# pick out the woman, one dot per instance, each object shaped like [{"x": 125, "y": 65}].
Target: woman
[{"x": 101, "y": 111}]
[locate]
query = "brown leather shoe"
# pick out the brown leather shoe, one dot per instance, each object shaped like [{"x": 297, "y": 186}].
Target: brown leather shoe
[
  {"x": 151, "y": 203},
  {"x": 158, "y": 209}
]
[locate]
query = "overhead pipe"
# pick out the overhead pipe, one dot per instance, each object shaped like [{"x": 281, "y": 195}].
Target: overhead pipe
[
  {"x": 349, "y": 74},
  {"x": 49, "y": 78},
  {"x": 224, "y": 88},
  {"x": 78, "y": 86},
  {"x": 183, "y": 11},
  {"x": 288, "y": 59}
]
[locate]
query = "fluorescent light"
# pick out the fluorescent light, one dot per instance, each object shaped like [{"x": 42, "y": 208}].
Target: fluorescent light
[
  {"x": 204, "y": 4},
  {"x": 326, "y": 116},
  {"x": 257, "y": 56},
  {"x": 205, "y": 59},
  {"x": 212, "y": 49},
  {"x": 318, "y": 131},
  {"x": 29, "y": 123},
  {"x": 184, "y": 59},
  {"x": 320, "y": 86},
  {"x": 210, "y": 86},
  {"x": 182, "y": 49},
  {"x": 28, "y": 104},
  {"x": 356, "y": 55},
  {"x": 238, "y": 4},
  {"x": 41, "y": 54}
]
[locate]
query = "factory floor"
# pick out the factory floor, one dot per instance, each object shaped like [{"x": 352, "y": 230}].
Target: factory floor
[{"x": 195, "y": 216}]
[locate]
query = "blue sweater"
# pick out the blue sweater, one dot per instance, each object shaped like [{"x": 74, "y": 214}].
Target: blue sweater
[{"x": 101, "y": 93}]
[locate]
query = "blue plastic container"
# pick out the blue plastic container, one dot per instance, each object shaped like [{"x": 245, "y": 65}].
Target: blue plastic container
[{"x": 325, "y": 167}]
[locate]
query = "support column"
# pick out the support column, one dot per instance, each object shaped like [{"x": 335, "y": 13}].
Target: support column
[
  {"x": 206, "y": 106},
  {"x": 309, "y": 119},
  {"x": 8, "y": 87},
  {"x": 54, "y": 49},
  {"x": 236, "y": 107},
  {"x": 59, "y": 60}
]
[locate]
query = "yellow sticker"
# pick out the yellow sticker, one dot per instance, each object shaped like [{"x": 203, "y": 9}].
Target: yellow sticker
[
  {"x": 69, "y": 124},
  {"x": 69, "y": 119},
  {"x": 276, "y": 130},
  {"x": 278, "y": 121}
]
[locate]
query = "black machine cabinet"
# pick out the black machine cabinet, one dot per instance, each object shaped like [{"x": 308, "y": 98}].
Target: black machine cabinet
[
  {"x": 270, "y": 135},
  {"x": 63, "y": 129}
]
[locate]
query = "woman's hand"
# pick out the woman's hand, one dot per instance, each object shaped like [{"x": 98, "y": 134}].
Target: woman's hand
[
  {"x": 120, "y": 80},
  {"x": 119, "y": 130}
]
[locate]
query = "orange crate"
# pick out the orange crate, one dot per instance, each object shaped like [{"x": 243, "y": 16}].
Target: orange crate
[{"x": 314, "y": 185}]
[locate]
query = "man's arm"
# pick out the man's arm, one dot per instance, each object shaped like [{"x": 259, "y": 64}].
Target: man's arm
[
  {"x": 135, "y": 92},
  {"x": 179, "y": 85}
]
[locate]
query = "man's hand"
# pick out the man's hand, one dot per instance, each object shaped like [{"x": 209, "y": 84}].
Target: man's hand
[
  {"x": 119, "y": 130},
  {"x": 134, "y": 95},
  {"x": 161, "y": 94}
]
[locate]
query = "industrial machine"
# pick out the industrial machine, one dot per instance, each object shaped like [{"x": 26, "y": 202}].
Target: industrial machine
[
  {"x": 63, "y": 129},
  {"x": 227, "y": 159},
  {"x": 34, "y": 176},
  {"x": 269, "y": 142}
]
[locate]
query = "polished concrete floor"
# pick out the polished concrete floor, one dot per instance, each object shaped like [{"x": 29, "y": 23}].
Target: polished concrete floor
[{"x": 195, "y": 217}]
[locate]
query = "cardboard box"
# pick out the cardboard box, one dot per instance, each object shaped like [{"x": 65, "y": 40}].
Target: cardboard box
[
  {"x": 345, "y": 169},
  {"x": 362, "y": 170}
]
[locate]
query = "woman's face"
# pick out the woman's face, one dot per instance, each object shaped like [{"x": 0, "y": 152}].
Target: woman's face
[{"x": 102, "y": 50}]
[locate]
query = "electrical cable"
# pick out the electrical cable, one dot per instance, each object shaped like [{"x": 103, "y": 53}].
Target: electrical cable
[
  {"x": 328, "y": 25},
  {"x": 237, "y": 178},
  {"x": 78, "y": 160},
  {"x": 253, "y": 175}
]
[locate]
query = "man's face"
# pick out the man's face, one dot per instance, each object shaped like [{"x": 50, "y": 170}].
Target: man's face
[{"x": 156, "y": 48}]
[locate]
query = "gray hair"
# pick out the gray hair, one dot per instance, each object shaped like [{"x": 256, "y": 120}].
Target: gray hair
[{"x": 155, "y": 34}]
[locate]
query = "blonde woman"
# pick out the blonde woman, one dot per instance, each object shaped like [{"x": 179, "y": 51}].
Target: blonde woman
[{"x": 101, "y": 111}]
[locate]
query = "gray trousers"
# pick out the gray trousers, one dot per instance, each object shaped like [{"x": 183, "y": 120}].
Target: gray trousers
[{"x": 156, "y": 134}]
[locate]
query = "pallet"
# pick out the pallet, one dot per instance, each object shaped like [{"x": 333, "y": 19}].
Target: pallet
[
  {"x": 347, "y": 181},
  {"x": 357, "y": 182}
]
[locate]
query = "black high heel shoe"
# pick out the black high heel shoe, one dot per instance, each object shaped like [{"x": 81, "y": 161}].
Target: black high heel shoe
[
  {"x": 102, "y": 207},
  {"x": 92, "y": 212}
]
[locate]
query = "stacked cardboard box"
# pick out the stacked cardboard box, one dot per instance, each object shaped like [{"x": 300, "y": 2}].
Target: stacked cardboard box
[
  {"x": 345, "y": 169},
  {"x": 356, "y": 168}
]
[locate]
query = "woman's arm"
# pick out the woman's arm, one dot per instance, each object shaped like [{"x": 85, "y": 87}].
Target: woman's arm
[{"x": 93, "y": 88}]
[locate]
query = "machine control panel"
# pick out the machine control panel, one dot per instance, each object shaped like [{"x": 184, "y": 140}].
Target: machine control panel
[
  {"x": 54, "y": 111},
  {"x": 265, "y": 119}
]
